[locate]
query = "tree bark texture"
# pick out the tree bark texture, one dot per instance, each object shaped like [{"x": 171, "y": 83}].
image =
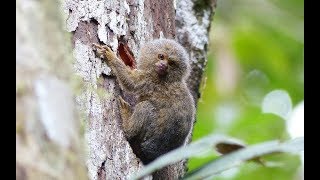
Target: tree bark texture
[
  {"x": 109, "y": 21},
  {"x": 48, "y": 136},
  {"x": 48, "y": 139}
]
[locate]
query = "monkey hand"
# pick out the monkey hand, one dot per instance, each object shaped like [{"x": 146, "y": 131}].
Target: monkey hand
[{"x": 103, "y": 51}]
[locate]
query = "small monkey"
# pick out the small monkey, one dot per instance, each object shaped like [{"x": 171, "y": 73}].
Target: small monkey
[{"x": 163, "y": 115}]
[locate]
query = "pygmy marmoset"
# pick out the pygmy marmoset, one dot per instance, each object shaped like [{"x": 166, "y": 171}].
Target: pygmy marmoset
[{"x": 163, "y": 115}]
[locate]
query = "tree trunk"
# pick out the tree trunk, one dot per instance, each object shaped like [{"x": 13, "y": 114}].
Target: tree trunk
[
  {"x": 94, "y": 21},
  {"x": 48, "y": 139}
]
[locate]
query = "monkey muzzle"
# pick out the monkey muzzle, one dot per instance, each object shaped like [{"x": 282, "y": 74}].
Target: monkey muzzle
[{"x": 162, "y": 67}]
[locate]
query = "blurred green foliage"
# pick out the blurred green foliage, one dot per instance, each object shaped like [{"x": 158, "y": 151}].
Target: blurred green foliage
[{"x": 256, "y": 46}]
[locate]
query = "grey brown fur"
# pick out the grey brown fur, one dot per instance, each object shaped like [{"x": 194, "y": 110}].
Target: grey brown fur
[{"x": 163, "y": 116}]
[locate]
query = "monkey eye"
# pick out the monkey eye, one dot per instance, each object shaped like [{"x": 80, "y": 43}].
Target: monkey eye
[{"x": 161, "y": 56}]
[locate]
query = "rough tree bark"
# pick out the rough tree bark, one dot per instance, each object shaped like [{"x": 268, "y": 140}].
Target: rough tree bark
[
  {"x": 48, "y": 138},
  {"x": 43, "y": 90},
  {"x": 107, "y": 21}
]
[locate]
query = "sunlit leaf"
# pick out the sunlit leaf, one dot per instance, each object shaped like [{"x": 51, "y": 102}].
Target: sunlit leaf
[
  {"x": 295, "y": 124},
  {"x": 277, "y": 102},
  {"x": 236, "y": 158},
  {"x": 256, "y": 84}
]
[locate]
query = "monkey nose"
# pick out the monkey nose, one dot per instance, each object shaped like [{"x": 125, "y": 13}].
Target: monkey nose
[{"x": 162, "y": 67}]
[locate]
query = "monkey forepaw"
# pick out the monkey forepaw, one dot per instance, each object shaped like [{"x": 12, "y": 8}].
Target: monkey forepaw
[{"x": 103, "y": 51}]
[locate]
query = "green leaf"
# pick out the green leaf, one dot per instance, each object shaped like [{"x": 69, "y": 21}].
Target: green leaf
[
  {"x": 236, "y": 158},
  {"x": 277, "y": 102},
  {"x": 195, "y": 149}
]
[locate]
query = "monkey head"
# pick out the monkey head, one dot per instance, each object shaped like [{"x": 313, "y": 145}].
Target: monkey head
[{"x": 164, "y": 59}]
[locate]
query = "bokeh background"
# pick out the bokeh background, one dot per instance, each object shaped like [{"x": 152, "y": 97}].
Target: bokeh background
[{"x": 256, "y": 49}]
